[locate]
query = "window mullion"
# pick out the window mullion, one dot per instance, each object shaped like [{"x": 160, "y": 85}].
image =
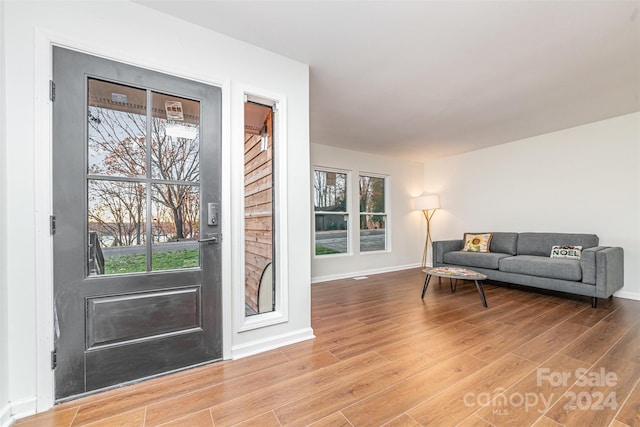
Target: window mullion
[{"x": 148, "y": 143}]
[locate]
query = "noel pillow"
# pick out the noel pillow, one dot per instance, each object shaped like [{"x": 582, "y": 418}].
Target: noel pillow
[{"x": 566, "y": 252}]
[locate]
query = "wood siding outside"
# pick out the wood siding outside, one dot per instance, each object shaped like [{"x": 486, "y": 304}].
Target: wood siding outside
[{"x": 258, "y": 211}]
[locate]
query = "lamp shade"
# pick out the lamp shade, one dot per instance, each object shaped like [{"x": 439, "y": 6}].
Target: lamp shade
[{"x": 424, "y": 203}]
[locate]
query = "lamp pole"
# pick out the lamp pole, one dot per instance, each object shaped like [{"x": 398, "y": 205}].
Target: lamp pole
[
  {"x": 428, "y": 204},
  {"x": 428, "y": 217}
]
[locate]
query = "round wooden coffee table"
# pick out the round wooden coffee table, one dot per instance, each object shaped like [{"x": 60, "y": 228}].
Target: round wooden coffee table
[{"x": 455, "y": 273}]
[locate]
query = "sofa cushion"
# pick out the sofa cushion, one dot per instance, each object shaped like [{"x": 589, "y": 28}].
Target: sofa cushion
[
  {"x": 505, "y": 243},
  {"x": 474, "y": 259},
  {"x": 540, "y": 244},
  {"x": 476, "y": 242},
  {"x": 553, "y": 268}
]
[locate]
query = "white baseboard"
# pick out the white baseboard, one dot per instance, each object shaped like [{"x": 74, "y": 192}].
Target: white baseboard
[
  {"x": 349, "y": 275},
  {"x": 5, "y": 416},
  {"x": 14, "y": 410},
  {"x": 260, "y": 346},
  {"x": 628, "y": 295}
]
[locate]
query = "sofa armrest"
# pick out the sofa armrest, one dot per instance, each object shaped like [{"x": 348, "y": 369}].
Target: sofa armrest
[
  {"x": 588, "y": 264},
  {"x": 443, "y": 246},
  {"x": 609, "y": 271}
]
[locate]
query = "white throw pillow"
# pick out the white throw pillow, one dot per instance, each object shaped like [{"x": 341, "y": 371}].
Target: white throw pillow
[{"x": 566, "y": 252}]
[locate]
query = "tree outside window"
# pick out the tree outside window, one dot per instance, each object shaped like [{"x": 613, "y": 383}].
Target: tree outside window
[{"x": 143, "y": 188}]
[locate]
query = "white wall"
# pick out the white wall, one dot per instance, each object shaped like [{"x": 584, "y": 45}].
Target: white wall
[
  {"x": 583, "y": 179},
  {"x": 4, "y": 326},
  {"x": 406, "y": 227},
  {"x": 134, "y": 34}
]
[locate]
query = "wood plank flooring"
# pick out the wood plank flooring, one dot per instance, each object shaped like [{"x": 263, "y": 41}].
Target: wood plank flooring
[{"x": 383, "y": 356}]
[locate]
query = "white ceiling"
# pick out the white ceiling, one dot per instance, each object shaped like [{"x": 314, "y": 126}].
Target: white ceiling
[{"x": 424, "y": 79}]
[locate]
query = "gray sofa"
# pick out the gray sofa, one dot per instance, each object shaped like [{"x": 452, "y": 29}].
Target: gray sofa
[{"x": 524, "y": 259}]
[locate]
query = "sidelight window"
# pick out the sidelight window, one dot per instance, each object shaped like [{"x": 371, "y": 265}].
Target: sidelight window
[{"x": 259, "y": 214}]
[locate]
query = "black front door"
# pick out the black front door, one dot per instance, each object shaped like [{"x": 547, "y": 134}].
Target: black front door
[{"x": 136, "y": 202}]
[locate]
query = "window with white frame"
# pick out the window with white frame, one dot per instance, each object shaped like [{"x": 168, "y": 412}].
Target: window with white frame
[
  {"x": 331, "y": 212},
  {"x": 373, "y": 214}
]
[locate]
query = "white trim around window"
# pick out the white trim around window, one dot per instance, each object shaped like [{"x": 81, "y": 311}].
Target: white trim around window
[
  {"x": 336, "y": 224},
  {"x": 378, "y": 217},
  {"x": 280, "y": 207}
]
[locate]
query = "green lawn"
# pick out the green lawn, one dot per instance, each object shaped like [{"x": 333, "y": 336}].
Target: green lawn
[
  {"x": 161, "y": 261},
  {"x": 323, "y": 250}
]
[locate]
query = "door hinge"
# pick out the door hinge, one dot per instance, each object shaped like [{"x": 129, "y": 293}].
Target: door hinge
[
  {"x": 52, "y": 90},
  {"x": 52, "y": 224},
  {"x": 54, "y": 359}
]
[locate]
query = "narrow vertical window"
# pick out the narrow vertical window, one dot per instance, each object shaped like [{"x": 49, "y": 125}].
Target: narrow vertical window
[
  {"x": 331, "y": 216},
  {"x": 258, "y": 209},
  {"x": 373, "y": 215}
]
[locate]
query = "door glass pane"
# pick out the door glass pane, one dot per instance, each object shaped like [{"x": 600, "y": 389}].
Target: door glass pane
[
  {"x": 175, "y": 151},
  {"x": 117, "y": 227},
  {"x": 117, "y": 125},
  {"x": 175, "y": 211}
]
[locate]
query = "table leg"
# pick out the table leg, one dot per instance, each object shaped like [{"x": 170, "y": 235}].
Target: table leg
[
  {"x": 481, "y": 292},
  {"x": 453, "y": 285},
  {"x": 426, "y": 283}
]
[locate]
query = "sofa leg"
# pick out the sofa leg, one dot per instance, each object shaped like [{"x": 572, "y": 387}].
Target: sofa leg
[{"x": 594, "y": 302}]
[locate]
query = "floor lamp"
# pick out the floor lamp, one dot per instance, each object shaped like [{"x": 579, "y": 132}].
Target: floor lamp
[{"x": 428, "y": 206}]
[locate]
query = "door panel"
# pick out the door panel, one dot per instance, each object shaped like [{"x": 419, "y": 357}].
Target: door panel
[
  {"x": 114, "y": 365},
  {"x": 136, "y": 157},
  {"x": 119, "y": 319}
]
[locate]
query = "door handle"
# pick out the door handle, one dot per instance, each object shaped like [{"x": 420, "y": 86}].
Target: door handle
[{"x": 212, "y": 239}]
